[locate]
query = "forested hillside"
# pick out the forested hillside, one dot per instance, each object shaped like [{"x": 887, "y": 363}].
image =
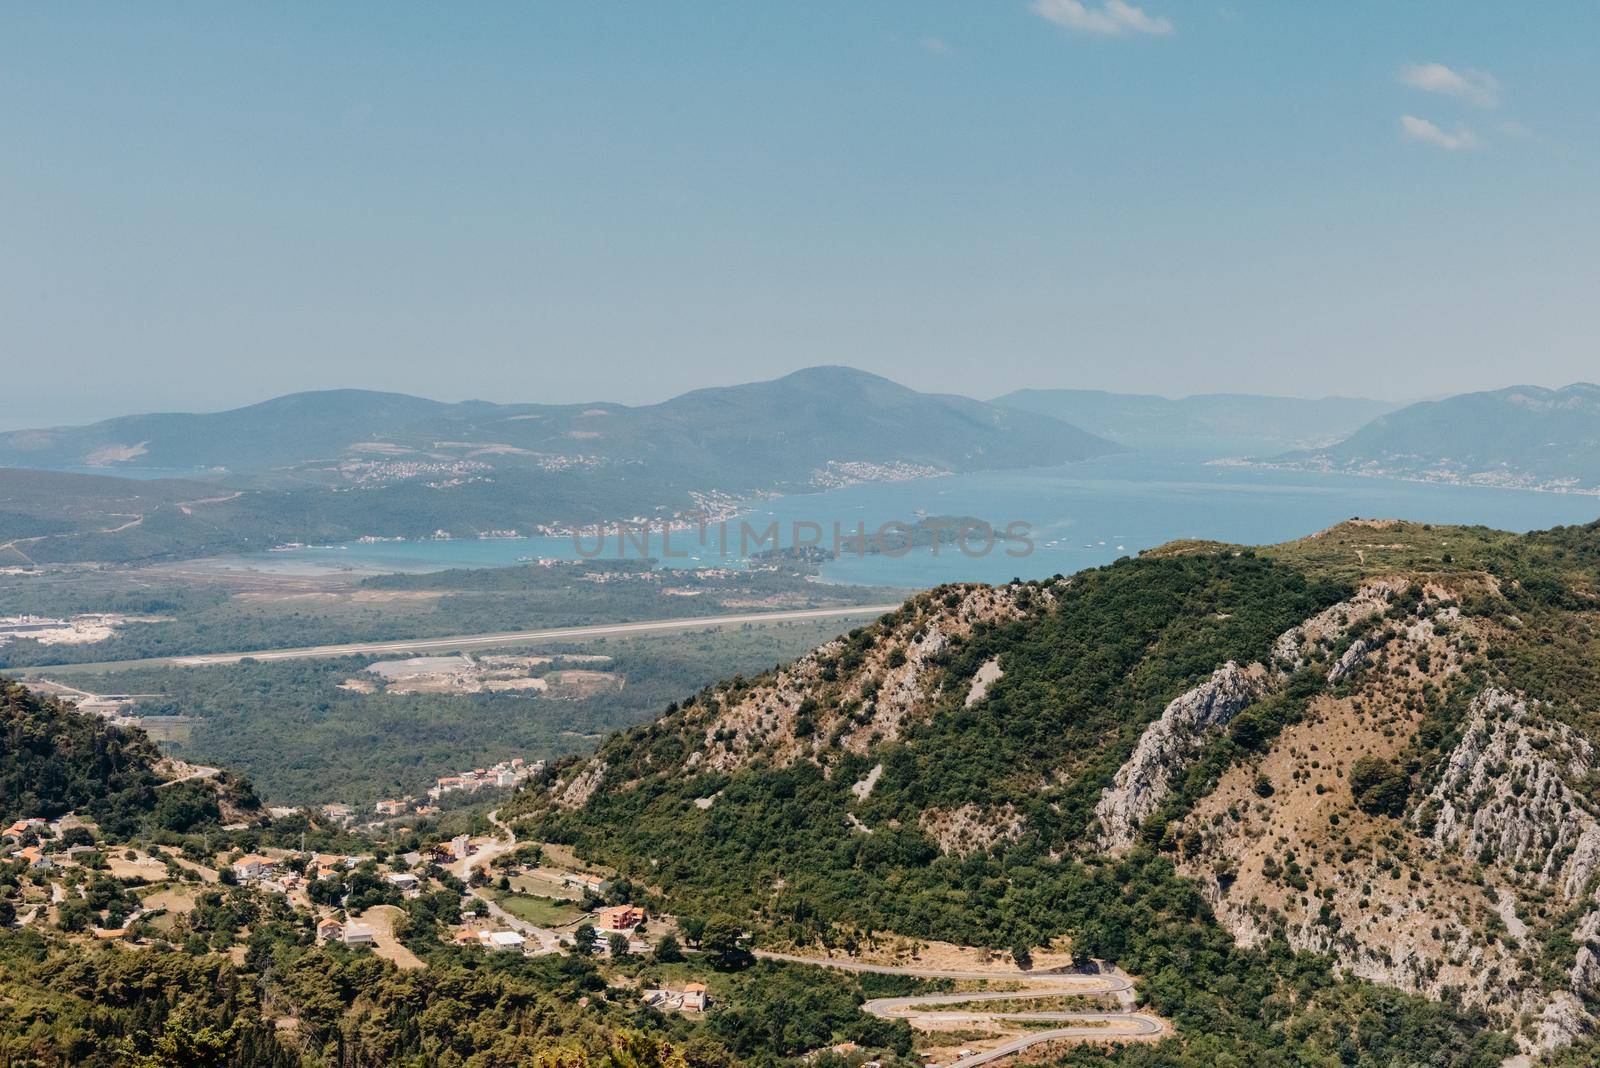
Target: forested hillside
[
  {"x": 138, "y": 945},
  {"x": 54, "y": 759},
  {"x": 1234, "y": 772}
]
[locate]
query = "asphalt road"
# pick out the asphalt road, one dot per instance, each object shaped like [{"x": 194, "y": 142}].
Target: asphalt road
[{"x": 478, "y": 641}]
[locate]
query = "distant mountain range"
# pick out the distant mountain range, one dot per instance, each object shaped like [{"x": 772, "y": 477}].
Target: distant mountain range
[
  {"x": 759, "y": 434},
  {"x": 1523, "y": 436},
  {"x": 340, "y": 464},
  {"x": 1213, "y": 424}
]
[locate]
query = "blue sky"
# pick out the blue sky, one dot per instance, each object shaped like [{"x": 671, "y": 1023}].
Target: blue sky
[{"x": 207, "y": 204}]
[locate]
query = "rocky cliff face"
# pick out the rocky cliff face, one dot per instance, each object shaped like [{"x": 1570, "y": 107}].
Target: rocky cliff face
[
  {"x": 1507, "y": 799},
  {"x": 1283, "y": 850},
  {"x": 1465, "y": 891},
  {"x": 1185, "y": 727},
  {"x": 1506, "y": 796},
  {"x": 1168, "y": 745}
]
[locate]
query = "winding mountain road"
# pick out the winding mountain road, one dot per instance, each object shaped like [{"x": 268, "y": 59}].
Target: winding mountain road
[
  {"x": 923, "y": 1009},
  {"x": 933, "y": 1009}
]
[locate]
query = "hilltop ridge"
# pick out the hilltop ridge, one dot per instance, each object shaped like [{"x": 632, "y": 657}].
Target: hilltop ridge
[{"x": 1369, "y": 744}]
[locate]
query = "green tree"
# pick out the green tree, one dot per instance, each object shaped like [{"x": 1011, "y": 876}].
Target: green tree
[
  {"x": 723, "y": 942},
  {"x": 1379, "y": 787}
]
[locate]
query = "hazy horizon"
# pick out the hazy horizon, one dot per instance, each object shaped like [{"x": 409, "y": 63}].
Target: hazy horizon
[{"x": 69, "y": 416}]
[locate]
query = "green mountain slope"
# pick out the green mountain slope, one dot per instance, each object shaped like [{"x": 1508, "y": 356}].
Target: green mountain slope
[
  {"x": 1371, "y": 752},
  {"x": 284, "y": 430},
  {"x": 54, "y": 759}
]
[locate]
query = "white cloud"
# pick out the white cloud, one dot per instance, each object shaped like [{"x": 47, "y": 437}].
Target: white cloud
[
  {"x": 936, "y": 46},
  {"x": 1471, "y": 85},
  {"x": 1109, "y": 18},
  {"x": 1416, "y": 129}
]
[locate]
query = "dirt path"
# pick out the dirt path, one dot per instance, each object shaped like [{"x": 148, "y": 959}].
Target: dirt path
[
  {"x": 15, "y": 544},
  {"x": 933, "y": 1012}
]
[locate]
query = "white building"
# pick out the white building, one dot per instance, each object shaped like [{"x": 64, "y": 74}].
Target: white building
[
  {"x": 253, "y": 867},
  {"x": 356, "y": 934},
  {"x": 503, "y": 940}
]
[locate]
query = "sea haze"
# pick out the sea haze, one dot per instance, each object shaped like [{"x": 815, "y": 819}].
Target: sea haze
[{"x": 1079, "y": 515}]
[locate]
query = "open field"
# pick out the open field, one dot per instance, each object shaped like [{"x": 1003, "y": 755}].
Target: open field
[
  {"x": 541, "y": 911},
  {"x": 381, "y": 918}
]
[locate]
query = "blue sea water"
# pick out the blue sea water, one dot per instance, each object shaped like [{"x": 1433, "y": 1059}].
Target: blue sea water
[{"x": 1077, "y": 516}]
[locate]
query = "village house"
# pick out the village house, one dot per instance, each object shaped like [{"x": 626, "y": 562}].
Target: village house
[
  {"x": 22, "y": 828},
  {"x": 357, "y": 934},
  {"x": 578, "y": 880},
  {"x": 511, "y": 772},
  {"x": 444, "y": 785},
  {"x": 495, "y": 941},
  {"x": 692, "y": 998},
  {"x": 339, "y": 813},
  {"x": 34, "y": 858},
  {"x": 390, "y": 808},
  {"x": 253, "y": 868},
  {"x": 503, "y": 941},
  {"x": 618, "y": 918},
  {"x": 404, "y": 881},
  {"x": 327, "y": 866},
  {"x": 329, "y": 929}
]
